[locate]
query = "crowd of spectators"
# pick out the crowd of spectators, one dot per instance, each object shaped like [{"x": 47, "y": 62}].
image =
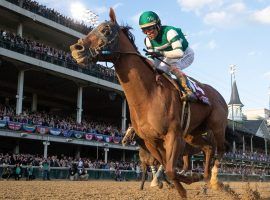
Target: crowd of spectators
[
  {"x": 244, "y": 170},
  {"x": 241, "y": 163},
  {"x": 38, "y": 50},
  {"x": 247, "y": 155},
  {"x": 8, "y": 113},
  {"x": 53, "y": 15},
  {"x": 24, "y": 163},
  {"x": 64, "y": 161}
]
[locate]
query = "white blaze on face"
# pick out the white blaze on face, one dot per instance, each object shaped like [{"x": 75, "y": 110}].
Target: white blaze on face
[{"x": 78, "y": 11}]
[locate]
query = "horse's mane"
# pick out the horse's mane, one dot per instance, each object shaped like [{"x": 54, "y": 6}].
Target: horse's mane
[{"x": 126, "y": 30}]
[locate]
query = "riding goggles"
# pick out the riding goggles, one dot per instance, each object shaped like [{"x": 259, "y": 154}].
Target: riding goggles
[{"x": 149, "y": 29}]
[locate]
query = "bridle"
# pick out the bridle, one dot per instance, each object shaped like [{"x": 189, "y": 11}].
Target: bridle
[
  {"x": 108, "y": 33},
  {"x": 109, "y": 37}
]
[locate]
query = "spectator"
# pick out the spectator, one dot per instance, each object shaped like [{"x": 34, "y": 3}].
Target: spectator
[
  {"x": 73, "y": 175},
  {"x": 118, "y": 174},
  {"x": 59, "y": 57},
  {"x": 17, "y": 172},
  {"x": 6, "y": 173},
  {"x": 46, "y": 170},
  {"x": 29, "y": 172},
  {"x": 83, "y": 175},
  {"x": 138, "y": 172}
]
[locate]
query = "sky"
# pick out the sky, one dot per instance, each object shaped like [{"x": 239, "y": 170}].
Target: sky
[{"x": 221, "y": 32}]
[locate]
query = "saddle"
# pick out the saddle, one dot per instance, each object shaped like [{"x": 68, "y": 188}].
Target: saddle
[{"x": 193, "y": 85}]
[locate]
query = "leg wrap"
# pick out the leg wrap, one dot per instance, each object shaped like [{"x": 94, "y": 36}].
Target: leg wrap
[
  {"x": 160, "y": 171},
  {"x": 153, "y": 170}
]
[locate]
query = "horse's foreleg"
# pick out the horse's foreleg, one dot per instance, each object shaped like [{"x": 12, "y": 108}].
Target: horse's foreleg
[
  {"x": 181, "y": 190},
  {"x": 153, "y": 170},
  {"x": 154, "y": 181},
  {"x": 157, "y": 177},
  {"x": 185, "y": 162},
  {"x": 144, "y": 170},
  {"x": 169, "y": 183},
  {"x": 173, "y": 144},
  {"x": 154, "y": 152}
]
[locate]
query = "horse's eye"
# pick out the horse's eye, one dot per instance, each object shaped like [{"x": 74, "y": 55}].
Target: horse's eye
[{"x": 106, "y": 31}]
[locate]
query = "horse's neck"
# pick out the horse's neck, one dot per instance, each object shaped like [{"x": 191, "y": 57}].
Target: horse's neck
[{"x": 136, "y": 79}]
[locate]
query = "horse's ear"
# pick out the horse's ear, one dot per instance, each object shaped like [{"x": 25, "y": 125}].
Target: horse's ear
[{"x": 112, "y": 15}]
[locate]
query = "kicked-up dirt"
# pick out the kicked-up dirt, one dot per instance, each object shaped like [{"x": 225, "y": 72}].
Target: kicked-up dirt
[{"x": 112, "y": 190}]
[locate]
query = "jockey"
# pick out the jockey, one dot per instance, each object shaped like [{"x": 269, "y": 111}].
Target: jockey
[{"x": 170, "y": 45}]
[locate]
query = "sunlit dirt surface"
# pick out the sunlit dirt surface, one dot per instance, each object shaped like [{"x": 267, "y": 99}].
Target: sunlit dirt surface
[{"x": 121, "y": 190}]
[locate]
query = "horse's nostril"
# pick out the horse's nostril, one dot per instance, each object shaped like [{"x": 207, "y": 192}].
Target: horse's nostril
[{"x": 79, "y": 47}]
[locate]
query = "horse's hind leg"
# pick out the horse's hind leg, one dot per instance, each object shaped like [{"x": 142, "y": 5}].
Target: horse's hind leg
[
  {"x": 144, "y": 171},
  {"x": 143, "y": 180},
  {"x": 219, "y": 134},
  {"x": 218, "y": 127},
  {"x": 209, "y": 152},
  {"x": 165, "y": 178},
  {"x": 206, "y": 146},
  {"x": 217, "y": 123}
]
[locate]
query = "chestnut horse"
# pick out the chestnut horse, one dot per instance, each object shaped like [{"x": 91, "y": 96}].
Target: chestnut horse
[{"x": 155, "y": 106}]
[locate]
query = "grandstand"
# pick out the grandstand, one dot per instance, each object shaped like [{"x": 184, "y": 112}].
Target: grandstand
[
  {"x": 39, "y": 79},
  {"x": 51, "y": 106}
]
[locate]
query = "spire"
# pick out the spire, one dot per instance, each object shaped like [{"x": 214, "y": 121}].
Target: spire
[{"x": 235, "y": 100}]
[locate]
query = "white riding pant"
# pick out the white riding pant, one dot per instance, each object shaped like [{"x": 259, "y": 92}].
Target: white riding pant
[{"x": 181, "y": 63}]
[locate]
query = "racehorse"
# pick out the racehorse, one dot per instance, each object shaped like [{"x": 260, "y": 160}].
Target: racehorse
[{"x": 155, "y": 106}]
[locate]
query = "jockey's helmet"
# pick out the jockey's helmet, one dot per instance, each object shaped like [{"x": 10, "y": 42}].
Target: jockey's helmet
[{"x": 148, "y": 19}]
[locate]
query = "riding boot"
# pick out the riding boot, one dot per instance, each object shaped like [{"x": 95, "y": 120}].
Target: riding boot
[{"x": 188, "y": 95}]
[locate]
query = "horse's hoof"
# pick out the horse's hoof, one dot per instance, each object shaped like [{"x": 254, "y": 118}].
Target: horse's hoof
[
  {"x": 171, "y": 186},
  {"x": 154, "y": 182},
  {"x": 160, "y": 185},
  {"x": 183, "y": 195}
]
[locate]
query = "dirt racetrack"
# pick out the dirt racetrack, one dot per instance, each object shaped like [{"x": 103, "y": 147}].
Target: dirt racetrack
[{"x": 109, "y": 190}]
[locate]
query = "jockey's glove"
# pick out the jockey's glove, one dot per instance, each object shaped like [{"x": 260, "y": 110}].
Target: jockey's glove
[{"x": 154, "y": 54}]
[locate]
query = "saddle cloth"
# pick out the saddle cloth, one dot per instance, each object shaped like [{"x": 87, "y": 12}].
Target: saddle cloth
[{"x": 198, "y": 91}]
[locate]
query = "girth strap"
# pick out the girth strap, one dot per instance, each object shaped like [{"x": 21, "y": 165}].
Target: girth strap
[{"x": 185, "y": 117}]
